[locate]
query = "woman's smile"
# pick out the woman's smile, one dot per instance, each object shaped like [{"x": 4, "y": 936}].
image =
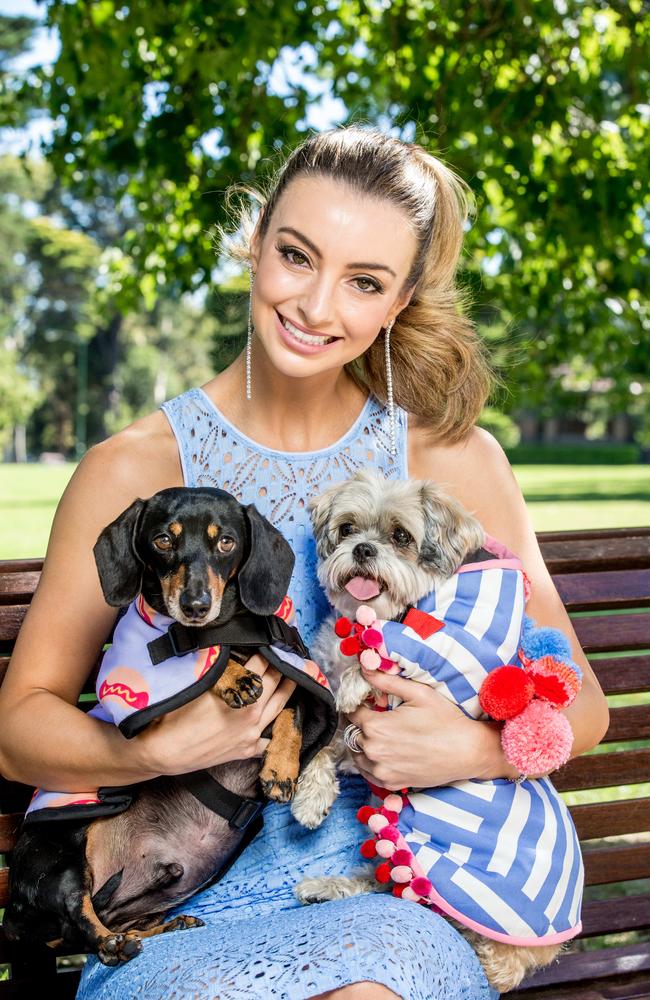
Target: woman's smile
[{"x": 298, "y": 339}]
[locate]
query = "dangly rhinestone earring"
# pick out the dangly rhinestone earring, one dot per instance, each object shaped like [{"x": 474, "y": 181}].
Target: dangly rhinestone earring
[
  {"x": 389, "y": 390},
  {"x": 249, "y": 336}
]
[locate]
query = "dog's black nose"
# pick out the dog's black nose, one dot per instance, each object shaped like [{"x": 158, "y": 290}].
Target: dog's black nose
[
  {"x": 195, "y": 605},
  {"x": 363, "y": 551}
]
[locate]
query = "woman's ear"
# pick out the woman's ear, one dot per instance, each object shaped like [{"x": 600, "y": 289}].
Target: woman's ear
[
  {"x": 118, "y": 564},
  {"x": 265, "y": 576}
]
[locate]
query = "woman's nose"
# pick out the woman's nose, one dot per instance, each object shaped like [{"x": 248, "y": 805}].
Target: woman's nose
[{"x": 316, "y": 305}]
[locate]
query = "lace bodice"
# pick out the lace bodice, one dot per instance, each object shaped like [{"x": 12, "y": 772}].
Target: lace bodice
[{"x": 280, "y": 484}]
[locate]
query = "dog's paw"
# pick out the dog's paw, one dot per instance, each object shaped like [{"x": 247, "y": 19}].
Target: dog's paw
[
  {"x": 245, "y": 690},
  {"x": 182, "y": 923},
  {"x": 118, "y": 948},
  {"x": 275, "y": 787}
]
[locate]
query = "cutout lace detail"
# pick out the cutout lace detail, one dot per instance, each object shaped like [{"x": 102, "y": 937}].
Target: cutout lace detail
[{"x": 280, "y": 484}]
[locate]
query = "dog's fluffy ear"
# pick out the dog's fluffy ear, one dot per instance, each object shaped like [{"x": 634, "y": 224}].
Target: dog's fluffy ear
[
  {"x": 320, "y": 509},
  {"x": 118, "y": 564},
  {"x": 450, "y": 532},
  {"x": 265, "y": 576}
]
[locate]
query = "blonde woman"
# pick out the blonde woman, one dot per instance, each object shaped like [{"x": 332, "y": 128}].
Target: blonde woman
[{"x": 358, "y": 355}]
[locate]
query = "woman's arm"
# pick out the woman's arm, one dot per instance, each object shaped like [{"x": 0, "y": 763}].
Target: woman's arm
[
  {"x": 44, "y": 738},
  {"x": 428, "y": 740}
]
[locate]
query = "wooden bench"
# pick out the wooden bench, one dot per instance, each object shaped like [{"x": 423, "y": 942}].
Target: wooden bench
[{"x": 604, "y": 580}]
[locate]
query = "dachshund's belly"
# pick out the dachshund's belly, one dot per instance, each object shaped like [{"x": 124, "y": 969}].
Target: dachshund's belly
[{"x": 166, "y": 846}]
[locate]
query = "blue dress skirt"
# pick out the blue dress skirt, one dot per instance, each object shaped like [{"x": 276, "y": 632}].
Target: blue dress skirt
[{"x": 259, "y": 943}]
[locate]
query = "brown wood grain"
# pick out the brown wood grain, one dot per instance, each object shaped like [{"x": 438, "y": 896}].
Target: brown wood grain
[
  {"x": 623, "y": 588},
  {"x": 610, "y": 819},
  {"x": 606, "y": 634},
  {"x": 9, "y": 826},
  {"x": 576, "y": 555},
  {"x": 4, "y": 887},
  {"x": 608, "y": 916},
  {"x": 587, "y": 966},
  {"x": 602, "y": 770},
  {"x": 590, "y": 533},
  {"x": 11, "y": 618},
  {"x": 18, "y": 588},
  {"x": 629, "y": 986},
  {"x": 623, "y": 674},
  {"x": 631, "y": 722},
  {"x": 616, "y": 864}
]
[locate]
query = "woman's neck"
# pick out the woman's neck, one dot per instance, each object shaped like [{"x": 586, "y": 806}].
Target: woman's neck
[{"x": 284, "y": 413}]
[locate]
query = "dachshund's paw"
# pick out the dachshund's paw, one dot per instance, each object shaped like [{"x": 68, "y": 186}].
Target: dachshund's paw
[
  {"x": 182, "y": 923},
  {"x": 244, "y": 691},
  {"x": 118, "y": 948},
  {"x": 276, "y": 788}
]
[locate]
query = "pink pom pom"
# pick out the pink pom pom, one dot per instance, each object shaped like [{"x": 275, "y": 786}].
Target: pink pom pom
[
  {"x": 388, "y": 666},
  {"x": 365, "y": 615},
  {"x": 390, "y": 833},
  {"x": 401, "y": 873},
  {"x": 377, "y": 823},
  {"x": 372, "y": 637},
  {"x": 538, "y": 740},
  {"x": 370, "y": 659},
  {"x": 421, "y": 886},
  {"x": 385, "y": 848},
  {"x": 391, "y": 816},
  {"x": 394, "y": 803},
  {"x": 407, "y": 893},
  {"x": 402, "y": 857}
]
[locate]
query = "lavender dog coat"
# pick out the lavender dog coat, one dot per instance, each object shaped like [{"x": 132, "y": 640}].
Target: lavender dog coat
[{"x": 501, "y": 858}]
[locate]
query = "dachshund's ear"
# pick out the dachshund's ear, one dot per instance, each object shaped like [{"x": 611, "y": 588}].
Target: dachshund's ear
[
  {"x": 118, "y": 564},
  {"x": 265, "y": 576}
]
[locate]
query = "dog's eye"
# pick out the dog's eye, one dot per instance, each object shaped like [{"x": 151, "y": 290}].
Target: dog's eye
[
  {"x": 346, "y": 529},
  {"x": 226, "y": 543},
  {"x": 163, "y": 543},
  {"x": 401, "y": 537}
]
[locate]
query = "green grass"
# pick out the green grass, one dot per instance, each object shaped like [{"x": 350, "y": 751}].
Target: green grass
[{"x": 559, "y": 497}]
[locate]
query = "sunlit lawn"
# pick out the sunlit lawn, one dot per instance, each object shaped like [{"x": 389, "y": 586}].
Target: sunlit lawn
[{"x": 559, "y": 496}]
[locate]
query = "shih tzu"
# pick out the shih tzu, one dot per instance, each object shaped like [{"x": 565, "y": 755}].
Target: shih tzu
[{"x": 386, "y": 544}]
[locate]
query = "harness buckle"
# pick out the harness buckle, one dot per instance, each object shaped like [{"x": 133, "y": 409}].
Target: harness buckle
[
  {"x": 181, "y": 640},
  {"x": 246, "y": 812}
]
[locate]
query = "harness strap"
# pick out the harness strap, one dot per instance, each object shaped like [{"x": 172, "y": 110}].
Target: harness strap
[
  {"x": 242, "y": 630},
  {"x": 236, "y": 809}
]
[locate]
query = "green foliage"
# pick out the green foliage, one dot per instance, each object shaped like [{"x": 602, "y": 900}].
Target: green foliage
[
  {"x": 501, "y": 426},
  {"x": 577, "y": 454}
]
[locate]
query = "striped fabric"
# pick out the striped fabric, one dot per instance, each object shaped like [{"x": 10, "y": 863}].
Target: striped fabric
[{"x": 503, "y": 858}]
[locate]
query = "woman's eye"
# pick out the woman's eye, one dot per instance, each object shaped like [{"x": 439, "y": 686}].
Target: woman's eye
[
  {"x": 370, "y": 285},
  {"x": 401, "y": 537},
  {"x": 163, "y": 543},
  {"x": 345, "y": 530},
  {"x": 226, "y": 543},
  {"x": 289, "y": 254}
]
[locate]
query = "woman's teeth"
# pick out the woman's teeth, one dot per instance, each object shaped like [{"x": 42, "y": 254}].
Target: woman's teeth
[{"x": 305, "y": 338}]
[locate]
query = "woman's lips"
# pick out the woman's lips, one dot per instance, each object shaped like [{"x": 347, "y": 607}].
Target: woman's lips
[{"x": 300, "y": 346}]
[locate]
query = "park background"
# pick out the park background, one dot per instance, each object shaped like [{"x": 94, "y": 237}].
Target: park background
[{"x": 122, "y": 125}]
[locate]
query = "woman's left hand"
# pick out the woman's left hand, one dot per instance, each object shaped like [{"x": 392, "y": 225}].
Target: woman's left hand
[{"x": 424, "y": 742}]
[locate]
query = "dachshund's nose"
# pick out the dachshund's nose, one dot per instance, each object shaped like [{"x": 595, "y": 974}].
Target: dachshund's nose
[
  {"x": 363, "y": 551},
  {"x": 195, "y": 605}
]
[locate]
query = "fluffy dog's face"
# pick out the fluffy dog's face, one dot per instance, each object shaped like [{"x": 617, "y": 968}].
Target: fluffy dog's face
[{"x": 387, "y": 543}]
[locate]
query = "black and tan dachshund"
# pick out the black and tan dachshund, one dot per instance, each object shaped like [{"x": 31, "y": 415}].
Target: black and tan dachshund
[{"x": 220, "y": 570}]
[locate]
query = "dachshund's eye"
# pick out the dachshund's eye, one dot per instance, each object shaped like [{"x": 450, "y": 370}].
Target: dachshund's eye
[
  {"x": 401, "y": 537},
  {"x": 163, "y": 543},
  {"x": 226, "y": 543},
  {"x": 346, "y": 529}
]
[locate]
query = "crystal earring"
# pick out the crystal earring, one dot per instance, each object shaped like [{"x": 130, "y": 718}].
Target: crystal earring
[
  {"x": 249, "y": 336},
  {"x": 389, "y": 390}
]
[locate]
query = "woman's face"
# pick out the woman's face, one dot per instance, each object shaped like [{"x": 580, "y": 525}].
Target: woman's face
[{"x": 328, "y": 275}]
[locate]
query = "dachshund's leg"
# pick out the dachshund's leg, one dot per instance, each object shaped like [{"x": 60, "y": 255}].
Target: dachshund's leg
[
  {"x": 281, "y": 765},
  {"x": 238, "y": 686}
]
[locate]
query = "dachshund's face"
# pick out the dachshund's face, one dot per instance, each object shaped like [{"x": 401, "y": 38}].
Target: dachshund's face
[{"x": 195, "y": 555}]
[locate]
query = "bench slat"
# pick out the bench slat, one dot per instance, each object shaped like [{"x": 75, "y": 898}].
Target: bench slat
[
  {"x": 18, "y": 588},
  {"x": 11, "y": 618},
  {"x": 611, "y": 819},
  {"x": 615, "y": 589},
  {"x": 4, "y": 887},
  {"x": 9, "y": 826},
  {"x": 591, "y": 533},
  {"x": 608, "y": 916},
  {"x": 630, "y": 986},
  {"x": 585, "y": 966},
  {"x": 605, "y": 634},
  {"x": 623, "y": 674},
  {"x": 575, "y": 555},
  {"x": 631, "y": 722},
  {"x": 624, "y": 767},
  {"x": 616, "y": 864}
]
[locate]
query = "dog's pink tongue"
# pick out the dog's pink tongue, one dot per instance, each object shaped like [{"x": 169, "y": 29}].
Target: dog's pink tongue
[{"x": 361, "y": 588}]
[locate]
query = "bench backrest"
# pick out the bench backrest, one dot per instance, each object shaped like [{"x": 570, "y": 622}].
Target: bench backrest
[{"x": 604, "y": 580}]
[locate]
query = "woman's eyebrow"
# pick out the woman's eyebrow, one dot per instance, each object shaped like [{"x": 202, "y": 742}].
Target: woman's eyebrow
[{"x": 314, "y": 249}]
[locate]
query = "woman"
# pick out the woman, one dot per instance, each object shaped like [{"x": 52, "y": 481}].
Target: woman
[{"x": 352, "y": 272}]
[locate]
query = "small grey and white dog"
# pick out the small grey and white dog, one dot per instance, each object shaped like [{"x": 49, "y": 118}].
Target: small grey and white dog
[{"x": 384, "y": 543}]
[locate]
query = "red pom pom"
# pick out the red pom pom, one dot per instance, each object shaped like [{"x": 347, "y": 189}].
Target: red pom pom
[
  {"x": 343, "y": 627},
  {"x": 421, "y": 885},
  {"x": 391, "y": 816},
  {"x": 554, "y": 681},
  {"x": 351, "y": 646},
  {"x": 364, "y": 813},
  {"x": 505, "y": 692},
  {"x": 382, "y": 873},
  {"x": 369, "y": 849},
  {"x": 402, "y": 857},
  {"x": 398, "y": 890}
]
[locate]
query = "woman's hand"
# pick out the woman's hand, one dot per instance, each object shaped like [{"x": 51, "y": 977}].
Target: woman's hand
[
  {"x": 206, "y": 732},
  {"x": 424, "y": 742}
]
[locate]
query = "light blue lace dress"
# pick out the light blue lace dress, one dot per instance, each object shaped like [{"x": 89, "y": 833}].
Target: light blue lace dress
[{"x": 259, "y": 942}]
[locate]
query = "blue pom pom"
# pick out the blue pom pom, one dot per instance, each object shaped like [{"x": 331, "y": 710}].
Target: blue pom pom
[{"x": 542, "y": 640}]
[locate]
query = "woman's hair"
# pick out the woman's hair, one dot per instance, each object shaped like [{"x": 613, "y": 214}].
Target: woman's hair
[{"x": 440, "y": 372}]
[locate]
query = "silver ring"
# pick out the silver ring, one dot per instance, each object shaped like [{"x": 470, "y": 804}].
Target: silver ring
[{"x": 351, "y": 738}]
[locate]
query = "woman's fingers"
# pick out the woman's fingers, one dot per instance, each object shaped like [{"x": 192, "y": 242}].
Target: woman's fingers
[{"x": 276, "y": 702}]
